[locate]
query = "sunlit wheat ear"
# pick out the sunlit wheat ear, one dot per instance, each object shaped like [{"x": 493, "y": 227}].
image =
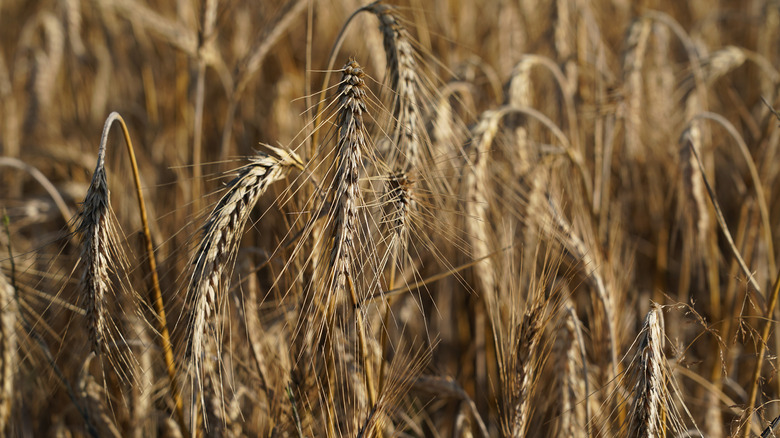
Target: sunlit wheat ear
[
  {"x": 408, "y": 131},
  {"x": 648, "y": 413},
  {"x": 524, "y": 369},
  {"x": 403, "y": 81},
  {"x": 7, "y": 349},
  {"x": 140, "y": 399},
  {"x": 568, "y": 366},
  {"x": 221, "y": 237},
  {"x": 97, "y": 245},
  {"x": 590, "y": 263},
  {"x": 519, "y": 94}
]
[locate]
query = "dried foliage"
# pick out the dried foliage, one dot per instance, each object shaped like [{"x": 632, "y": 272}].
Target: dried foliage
[{"x": 494, "y": 219}]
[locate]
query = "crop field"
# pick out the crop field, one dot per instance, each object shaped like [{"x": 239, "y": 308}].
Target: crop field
[{"x": 407, "y": 218}]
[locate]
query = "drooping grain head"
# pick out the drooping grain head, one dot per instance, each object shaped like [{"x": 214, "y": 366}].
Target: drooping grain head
[
  {"x": 100, "y": 419},
  {"x": 221, "y": 237},
  {"x": 405, "y": 83},
  {"x": 524, "y": 370},
  {"x": 571, "y": 384},
  {"x": 633, "y": 63},
  {"x": 477, "y": 189},
  {"x": 94, "y": 227}
]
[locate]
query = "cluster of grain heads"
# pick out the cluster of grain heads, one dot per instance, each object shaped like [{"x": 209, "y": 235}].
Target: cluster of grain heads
[{"x": 414, "y": 215}]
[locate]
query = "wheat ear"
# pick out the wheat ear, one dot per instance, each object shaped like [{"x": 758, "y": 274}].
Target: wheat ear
[
  {"x": 91, "y": 393},
  {"x": 648, "y": 413},
  {"x": 351, "y": 141},
  {"x": 97, "y": 246},
  {"x": 97, "y": 241},
  {"x": 529, "y": 334},
  {"x": 572, "y": 384},
  {"x": 221, "y": 237}
]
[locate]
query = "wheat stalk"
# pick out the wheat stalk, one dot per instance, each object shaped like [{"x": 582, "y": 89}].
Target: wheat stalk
[{"x": 405, "y": 83}]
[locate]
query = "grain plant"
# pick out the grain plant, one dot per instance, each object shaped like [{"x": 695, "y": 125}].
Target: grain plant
[{"x": 306, "y": 218}]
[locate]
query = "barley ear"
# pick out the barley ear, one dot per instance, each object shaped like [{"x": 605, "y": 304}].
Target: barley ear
[
  {"x": 648, "y": 410},
  {"x": 352, "y": 140},
  {"x": 94, "y": 227},
  {"x": 529, "y": 334}
]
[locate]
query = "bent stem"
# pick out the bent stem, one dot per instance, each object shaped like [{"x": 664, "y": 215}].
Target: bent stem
[{"x": 165, "y": 338}]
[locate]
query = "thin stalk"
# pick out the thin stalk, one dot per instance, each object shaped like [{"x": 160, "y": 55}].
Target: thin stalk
[
  {"x": 385, "y": 322},
  {"x": 368, "y": 369}
]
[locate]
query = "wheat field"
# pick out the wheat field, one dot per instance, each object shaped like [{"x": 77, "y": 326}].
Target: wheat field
[{"x": 407, "y": 218}]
